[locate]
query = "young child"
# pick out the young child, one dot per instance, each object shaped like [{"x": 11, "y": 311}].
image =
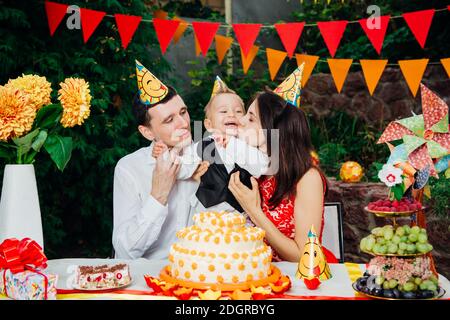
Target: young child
[{"x": 224, "y": 151}]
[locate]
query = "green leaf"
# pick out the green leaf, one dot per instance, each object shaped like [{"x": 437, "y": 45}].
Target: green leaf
[
  {"x": 7, "y": 151},
  {"x": 39, "y": 141},
  {"x": 24, "y": 143},
  {"x": 398, "y": 191},
  {"x": 60, "y": 149},
  {"x": 48, "y": 116}
]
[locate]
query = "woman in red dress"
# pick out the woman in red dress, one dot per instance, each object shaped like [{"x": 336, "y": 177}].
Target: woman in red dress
[{"x": 290, "y": 199}]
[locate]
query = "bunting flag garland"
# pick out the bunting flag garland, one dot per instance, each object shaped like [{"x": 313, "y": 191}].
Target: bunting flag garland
[
  {"x": 339, "y": 69},
  {"x": 289, "y": 34},
  {"x": 419, "y": 22},
  {"x": 372, "y": 71},
  {"x": 275, "y": 59},
  {"x": 310, "y": 63},
  {"x": 446, "y": 64},
  {"x": 90, "y": 19},
  {"x": 413, "y": 71},
  {"x": 246, "y": 34},
  {"x": 223, "y": 44},
  {"x": 127, "y": 26},
  {"x": 332, "y": 32},
  {"x": 55, "y": 14},
  {"x": 165, "y": 30},
  {"x": 180, "y": 30},
  {"x": 205, "y": 32},
  {"x": 376, "y": 34},
  {"x": 247, "y": 60}
]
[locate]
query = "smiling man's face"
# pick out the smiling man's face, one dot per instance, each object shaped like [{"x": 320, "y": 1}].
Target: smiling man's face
[{"x": 170, "y": 123}]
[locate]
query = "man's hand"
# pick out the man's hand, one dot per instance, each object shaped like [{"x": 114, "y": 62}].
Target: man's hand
[
  {"x": 164, "y": 175},
  {"x": 200, "y": 171}
]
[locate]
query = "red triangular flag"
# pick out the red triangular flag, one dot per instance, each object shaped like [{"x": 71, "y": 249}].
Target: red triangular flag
[
  {"x": 376, "y": 34},
  {"x": 127, "y": 26},
  {"x": 290, "y": 34},
  {"x": 165, "y": 29},
  {"x": 332, "y": 32},
  {"x": 55, "y": 14},
  {"x": 419, "y": 22},
  {"x": 205, "y": 32},
  {"x": 246, "y": 34},
  {"x": 90, "y": 19}
]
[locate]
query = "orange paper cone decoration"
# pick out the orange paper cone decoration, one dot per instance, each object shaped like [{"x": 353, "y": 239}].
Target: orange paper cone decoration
[
  {"x": 372, "y": 71},
  {"x": 339, "y": 69},
  {"x": 180, "y": 30},
  {"x": 446, "y": 64},
  {"x": 310, "y": 63},
  {"x": 313, "y": 263},
  {"x": 222, "y": 45},
  {"x": 247, "y": 60},
  {"x": 275, "y": 59},
  {"x": 413, "y": 72}
]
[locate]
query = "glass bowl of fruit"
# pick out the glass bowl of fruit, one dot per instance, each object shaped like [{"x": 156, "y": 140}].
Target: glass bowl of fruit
[
  {"x": 394, "y": 208},
  {"x": 399, "y": 241},
  {"x": 392, "y": 278}
]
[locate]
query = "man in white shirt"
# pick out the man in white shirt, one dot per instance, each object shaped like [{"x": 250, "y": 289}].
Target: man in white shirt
[{"x": 150, "y": 205}]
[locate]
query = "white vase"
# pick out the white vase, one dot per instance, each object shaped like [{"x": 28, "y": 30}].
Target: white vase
[{"x": 20, "y": 214}]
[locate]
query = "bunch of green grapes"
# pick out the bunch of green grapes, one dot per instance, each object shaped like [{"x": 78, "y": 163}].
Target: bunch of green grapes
[{"x": 403, "y": 240}]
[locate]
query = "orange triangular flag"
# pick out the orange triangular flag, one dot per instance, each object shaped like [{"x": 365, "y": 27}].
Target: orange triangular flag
[
  {"x": 198, "y": 50},
  {"x": 413, "y": 72},
  {"x": 372, "y": 71},
  {"x": 160, "y": 14},
  {"x": 180, "y": 30},
  {"x": 446, "y": 62},
  {"x": 339, "y": 70},
  {"x": 247, "y": 60},
  {"x": 222, "y": 45},
  {"x": 310, "y": 63},
  {"x": 275, "y": 59}
]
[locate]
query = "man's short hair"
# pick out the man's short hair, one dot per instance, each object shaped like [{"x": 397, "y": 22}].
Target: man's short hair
[
  {"x": 220, "y": 91},
  {"x": 140, "y": 110}
]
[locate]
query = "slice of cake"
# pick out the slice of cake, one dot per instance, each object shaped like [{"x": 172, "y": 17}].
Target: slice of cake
[
  {"x": 220, "y": 248},
  {"x": 103, "y": 276}
]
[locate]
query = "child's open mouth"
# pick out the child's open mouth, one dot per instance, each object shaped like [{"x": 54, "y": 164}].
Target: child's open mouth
[{"x": 231, "y": 124}]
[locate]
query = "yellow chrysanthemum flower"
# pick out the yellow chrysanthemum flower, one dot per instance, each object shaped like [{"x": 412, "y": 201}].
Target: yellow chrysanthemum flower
[
  {"x": 36, "y": 88},
  {"x": 76, "y": 101},
  {"x": 16, "y": 113}
]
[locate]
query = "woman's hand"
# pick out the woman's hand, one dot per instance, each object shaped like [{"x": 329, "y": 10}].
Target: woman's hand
[
  {"x": 249, "y": 199},
  {"x": 200, "y": 171}
]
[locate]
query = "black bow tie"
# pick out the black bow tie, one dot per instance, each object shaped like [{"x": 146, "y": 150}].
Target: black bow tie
[{"x": 213, "y": 187}]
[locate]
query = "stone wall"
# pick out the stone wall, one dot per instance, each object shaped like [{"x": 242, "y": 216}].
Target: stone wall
[
  {"x": 391, "y": 100},
  {"x": 358, "y": 223}
]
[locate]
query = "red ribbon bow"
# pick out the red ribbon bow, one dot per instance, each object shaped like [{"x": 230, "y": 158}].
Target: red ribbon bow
[{"x": 20, "y": 255}]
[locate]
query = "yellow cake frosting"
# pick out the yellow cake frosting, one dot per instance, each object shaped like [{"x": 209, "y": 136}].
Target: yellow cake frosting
[{"x": 220, "y": 248}]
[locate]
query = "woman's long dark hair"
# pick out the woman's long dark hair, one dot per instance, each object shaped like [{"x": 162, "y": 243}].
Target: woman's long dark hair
[{"x": 295, "y": 144}]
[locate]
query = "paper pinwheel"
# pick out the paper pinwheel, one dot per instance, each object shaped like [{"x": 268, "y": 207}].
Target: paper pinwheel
[{"x": 425, "y": 136}]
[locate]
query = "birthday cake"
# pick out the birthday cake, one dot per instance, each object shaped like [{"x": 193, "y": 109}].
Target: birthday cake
[
  {"x": 103, "y": 276},
  {"x": 220, "y": 248}
]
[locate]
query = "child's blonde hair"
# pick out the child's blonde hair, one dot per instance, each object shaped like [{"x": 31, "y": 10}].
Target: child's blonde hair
[{"x": 221, "y": 91}]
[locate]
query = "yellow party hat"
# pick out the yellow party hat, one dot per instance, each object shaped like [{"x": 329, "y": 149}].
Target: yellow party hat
[
  {"x": 219, "y": 86},
  {"x": 290, "y": 88},
  {"x": 151, "y": 89},
  {"x": 313, "y": 263}
]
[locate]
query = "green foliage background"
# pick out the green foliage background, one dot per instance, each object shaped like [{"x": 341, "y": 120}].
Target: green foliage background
[{"x": 77, "y": 204}]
